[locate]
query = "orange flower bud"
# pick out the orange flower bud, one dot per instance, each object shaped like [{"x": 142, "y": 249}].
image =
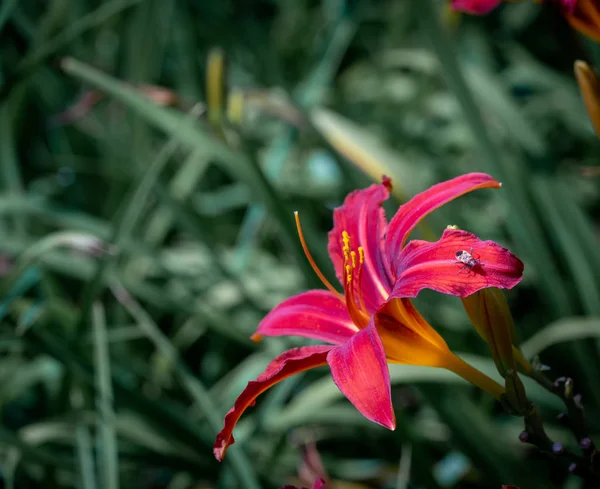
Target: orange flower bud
[
  {"x": 589, "y": 86},
  {"x": 491, "y": 317}
]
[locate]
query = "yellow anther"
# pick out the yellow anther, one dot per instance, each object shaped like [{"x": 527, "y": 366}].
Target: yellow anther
[
  {"x": 346, "y": 240},
  {"x": 348, "y": 273},
  {"x": 346, "y": 247},
  {"x": 361, "y": 255},
  {"x": 353, "y": 255}
]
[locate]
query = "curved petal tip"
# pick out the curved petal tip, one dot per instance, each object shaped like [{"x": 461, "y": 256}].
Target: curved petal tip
[
  {"x": 288, "y": 363},
  {"x": 359, "y": 369}
]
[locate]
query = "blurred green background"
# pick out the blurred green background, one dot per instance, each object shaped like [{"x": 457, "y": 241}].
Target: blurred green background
[{"x": 152, "y": 153}]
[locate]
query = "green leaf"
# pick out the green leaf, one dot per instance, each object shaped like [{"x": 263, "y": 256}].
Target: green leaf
[
  {"x": 190, "y": 134},
  {"x": 562, "y": 331},
  {"x": 192, "y": 384},
  {"x": 107, "y": 448}
]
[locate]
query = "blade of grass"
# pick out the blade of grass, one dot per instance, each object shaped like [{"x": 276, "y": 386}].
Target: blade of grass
[
  {"x": 10, "y": 171},
  {"x": 240, "y": 464},
  {"x": 34, "y": 253},
  {"x": 22, "y": 376},
  {"x": 579, "y": 224},
  {"x": 570, "y": 244},
  {"x": 168, "y": 420},
  {"x": 180, "y": 187},
  {"x": 83, "y": 441},
  {"x": 522, "y": 223},
  {"x": 403, "y": 477},
  {"x": 275, "y": 158},
  {"x": 561, "y": 331},
  {"x": 33, "y": 453},
  {"x": 6, "y": 11},
  {"x": 571, "y": 247},
  {"x": 144, "y": 57},
  {"x": 76, "y": 223},
  {"x": 9, "y": 467},
  {"x": 18, "y": 288},
  {"x": 310, "y": 93},
  {"x": 127, "y": 221},
  {"x": 83, "y": 269},
  {"x": 195, "y": 227},
  {"x": 31, "y": 61},
  {"x": 107, "y": 448},
  {"x": 194, "y": 137},
  {"x": 494, "y": 97}
]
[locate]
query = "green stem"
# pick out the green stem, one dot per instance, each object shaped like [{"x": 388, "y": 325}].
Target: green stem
[{"x": 576, "y": 413}]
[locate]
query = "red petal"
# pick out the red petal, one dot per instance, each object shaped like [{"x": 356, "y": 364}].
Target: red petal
[
  {"x": 478, "y": 7},
  {"x": 568, "y": 6},
  {"x": 363, "y": 218},
  {"x": 359, "y": 369},
  {"x": 435, "y": 266},
  {"x": 409, "y": 214},
  {"x": 311, "y": 466},
  {"x": 288, "y": 363},
  {"x": 319, "y": 484},
  {"x": 316, "y": 314}
]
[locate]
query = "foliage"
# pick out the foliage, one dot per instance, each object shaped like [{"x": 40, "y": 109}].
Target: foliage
[{"x": 143, "y": 238}]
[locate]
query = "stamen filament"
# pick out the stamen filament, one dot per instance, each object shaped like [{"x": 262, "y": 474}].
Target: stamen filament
[
  {"x": 361, "y": 254},
  {"x": 312, "y": 262}
]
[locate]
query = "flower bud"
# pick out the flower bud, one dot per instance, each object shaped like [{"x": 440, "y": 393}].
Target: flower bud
[
  {"x": 589, "y": 86},
  {"x": 491, "y": 317},
  {"x": 216, "y": 84}
]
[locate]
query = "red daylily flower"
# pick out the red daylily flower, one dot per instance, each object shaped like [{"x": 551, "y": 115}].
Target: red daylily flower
[
  {"x": 583, "y": 15},
  {"x": 373, "y": 322}
]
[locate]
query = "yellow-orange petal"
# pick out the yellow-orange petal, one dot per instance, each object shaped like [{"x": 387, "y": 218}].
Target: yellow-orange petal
[{"x": 408, "y": 341}]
